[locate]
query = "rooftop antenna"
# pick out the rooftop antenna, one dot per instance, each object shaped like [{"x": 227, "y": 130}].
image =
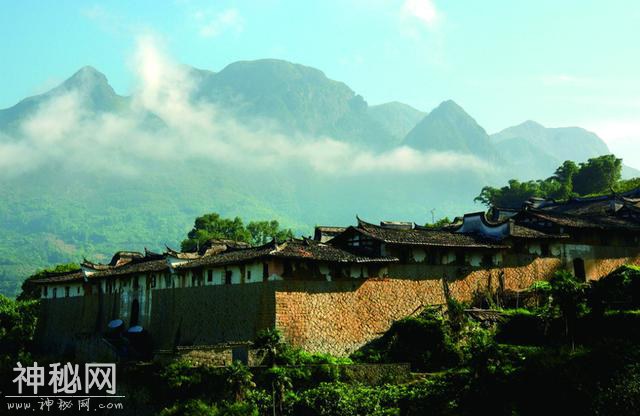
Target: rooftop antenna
[{"x": 433, "y": 217}]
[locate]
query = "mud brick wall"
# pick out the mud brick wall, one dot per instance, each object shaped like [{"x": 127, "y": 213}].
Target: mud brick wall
[
  {"x": 62, "y": 320},
  {"x": 339, "y": 317},
  {"x": 208, "y": 315}
]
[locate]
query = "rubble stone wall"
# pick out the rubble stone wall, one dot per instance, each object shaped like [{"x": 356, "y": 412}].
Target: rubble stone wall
[{"x": 339, "y": 317}]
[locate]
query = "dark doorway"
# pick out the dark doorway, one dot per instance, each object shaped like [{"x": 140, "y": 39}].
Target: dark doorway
[
  {"x": 135, "y": 312},
  {"x": 578, "y": 269}
]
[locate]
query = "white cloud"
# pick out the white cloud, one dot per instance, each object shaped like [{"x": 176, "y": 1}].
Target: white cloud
[
  {"x": 424, "y": 11},
  {"x": 214, "y": 24},
  {"x": 62, "y": 133}
]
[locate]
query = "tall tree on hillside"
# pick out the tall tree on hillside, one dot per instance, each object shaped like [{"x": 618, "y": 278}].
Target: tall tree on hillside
[
  {"x": 598, "y": 175},
  {"x": 511, "y": 196},
  {"x": 264, "y": 231},
  {"x": 560, "y": 185},
  {"x": 213, "y": 226}
]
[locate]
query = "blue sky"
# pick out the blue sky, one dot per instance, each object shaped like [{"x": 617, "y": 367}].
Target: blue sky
[{"x": 560, "y": 63}]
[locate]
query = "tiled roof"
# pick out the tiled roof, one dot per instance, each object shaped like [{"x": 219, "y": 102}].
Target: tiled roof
[
  {"x": 520, "y": 231},
  {"x": 72, "y": 276},
  {"x": 330, "y": 229},
  {"x": 293, "y": 249},
  {"x": 591, "y": 222},
  {"x": 425, "y": 237},
  {"x": 134, "y": 267},
  {"x": 150, "y": 262}
]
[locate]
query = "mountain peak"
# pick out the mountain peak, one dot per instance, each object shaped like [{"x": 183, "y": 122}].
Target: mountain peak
[
  {"x": 93, "y": 86},
  {"x": 450, "y": 128},
  {"x": 87, "y": 76},
  {"x": 449, "y": 105}
]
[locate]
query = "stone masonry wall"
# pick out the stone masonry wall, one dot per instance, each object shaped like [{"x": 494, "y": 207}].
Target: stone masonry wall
[
  {"x": 344, "y": 316},
  {"x": 339, "y": 317}
]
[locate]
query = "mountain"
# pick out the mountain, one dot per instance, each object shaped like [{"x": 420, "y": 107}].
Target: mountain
[
  {"x": 563, "y": 143},
  {"x": 536, "y": 149},
  {"x": 299, "y": 98},
  {"x": 450, "y": 128},
  {"x": 92, "y": 88},
  {"x": 396, "y": 118}
]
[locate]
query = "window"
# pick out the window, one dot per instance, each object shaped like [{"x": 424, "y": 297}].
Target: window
[
  {"x": 55, "y": 292},
  {"x": 288, "y": 269},
  {"x": 136, "y": 285},
  {"x": 248, "y": 274},
  {"x": 544, "y": 250},
  {"x": 44, "y": 291},
  {"x": 66, "y": 291},
  {"x": 209, "y": 275},
  {"x": 265, "y": 271},
  {"x": 153, "y": 281},
  {"x": 460, "y": 260},
  {"x": 431, "y": 257},
  {"x": 227, "y": 277},
  {"x": 487, "y": 260},
  {"x": 578, "y": 269},
  {"x": 78, "y": 290}
]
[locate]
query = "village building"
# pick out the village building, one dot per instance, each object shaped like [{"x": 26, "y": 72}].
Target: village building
[{"x": 344, "y": 287}]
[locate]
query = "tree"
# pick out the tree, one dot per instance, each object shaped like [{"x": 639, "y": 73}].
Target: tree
[
  {"x": 18, "y": 321},
  {"x": 440, "y": 223},
  {"x": 213, "y": 226},
  {"x": 280, "y": 383},
  {"x": 239, "y": 380},
  {"x": 31, "y": 291},
  {"x": 565, "y": 172},
  {"x": 511, "y": 196},
  {"x": 598, "y": 175},
  {"x": 264, "y": 231},
  {"x": 560, "y": 185},
  {"x": 568, "y": 296},
  {"x": 269, "y": 341}
]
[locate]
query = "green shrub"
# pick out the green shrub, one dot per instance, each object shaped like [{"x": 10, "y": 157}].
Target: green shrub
[
  {"x": 521, "y": 327},
  {"x": 425, "y": 343},
  {"x": 618, "y": 290},
  {"x": 339, "y": 399}
]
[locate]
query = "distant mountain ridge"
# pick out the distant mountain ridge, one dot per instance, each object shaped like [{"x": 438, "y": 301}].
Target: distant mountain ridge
[{"x": 537, "y": 148}]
